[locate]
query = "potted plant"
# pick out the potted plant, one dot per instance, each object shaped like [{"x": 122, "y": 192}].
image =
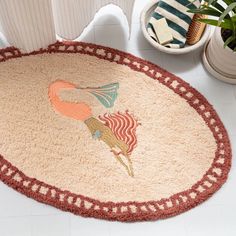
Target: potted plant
[{"x": 219, "y": 56}]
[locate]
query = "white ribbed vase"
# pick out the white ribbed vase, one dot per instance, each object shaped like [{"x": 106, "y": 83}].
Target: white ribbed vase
[{"x": 220, "y": 61}]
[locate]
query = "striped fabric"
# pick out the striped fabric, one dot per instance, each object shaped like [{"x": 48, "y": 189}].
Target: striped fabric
[{"x": 177, "y": 17}]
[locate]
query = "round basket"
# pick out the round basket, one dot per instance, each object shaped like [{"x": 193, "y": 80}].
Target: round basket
[{"x": 145, "y": 16}]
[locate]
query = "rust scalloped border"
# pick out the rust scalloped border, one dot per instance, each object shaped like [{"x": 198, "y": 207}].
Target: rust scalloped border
[{"x": 212, "y": 180}]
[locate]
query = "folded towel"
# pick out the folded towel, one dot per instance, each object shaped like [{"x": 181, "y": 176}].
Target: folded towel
[{"x": 177, "y": 17}]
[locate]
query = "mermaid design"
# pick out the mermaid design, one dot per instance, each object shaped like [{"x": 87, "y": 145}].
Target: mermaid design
[{"x": 117, "y": 130}]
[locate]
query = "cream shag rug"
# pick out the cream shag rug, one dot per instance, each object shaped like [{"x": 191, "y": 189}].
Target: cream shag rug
[{"x": 102, "y": 133}]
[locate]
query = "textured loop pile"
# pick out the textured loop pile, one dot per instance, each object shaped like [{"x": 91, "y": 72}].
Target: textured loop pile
[{"x": 102, "y": 133}]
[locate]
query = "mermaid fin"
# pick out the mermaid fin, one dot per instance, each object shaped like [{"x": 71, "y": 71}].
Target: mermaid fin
[{"x": 106, "y": 94}]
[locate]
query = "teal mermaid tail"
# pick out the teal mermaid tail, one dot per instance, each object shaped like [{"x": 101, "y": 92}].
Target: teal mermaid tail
[{"x": 106, "y": 94}]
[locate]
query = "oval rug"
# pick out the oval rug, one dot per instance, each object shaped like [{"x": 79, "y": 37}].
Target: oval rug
[{"x": 99, "y": 132}]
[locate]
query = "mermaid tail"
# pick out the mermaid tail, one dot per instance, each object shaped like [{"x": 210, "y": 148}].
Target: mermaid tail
[{"x": 106, "y": 94}]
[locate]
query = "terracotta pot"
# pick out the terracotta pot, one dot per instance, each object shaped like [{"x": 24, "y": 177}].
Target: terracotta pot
[{"x": 220, "y": 61}]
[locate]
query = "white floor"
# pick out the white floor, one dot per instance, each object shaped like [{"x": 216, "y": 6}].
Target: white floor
[{"x": 20, "y": 216}]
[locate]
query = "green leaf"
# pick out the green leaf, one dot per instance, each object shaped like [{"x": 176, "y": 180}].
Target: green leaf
[
  {"x": 210, "y": 1},
  {"x": 233, "y": 18},
  {"x": 227, "y": 10},
  {"x": 209, "y": 12},
  {"x": 228, "y": 41},
  {"x": 220, "y": 8},
  {"x": 226, "y": 24}
]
